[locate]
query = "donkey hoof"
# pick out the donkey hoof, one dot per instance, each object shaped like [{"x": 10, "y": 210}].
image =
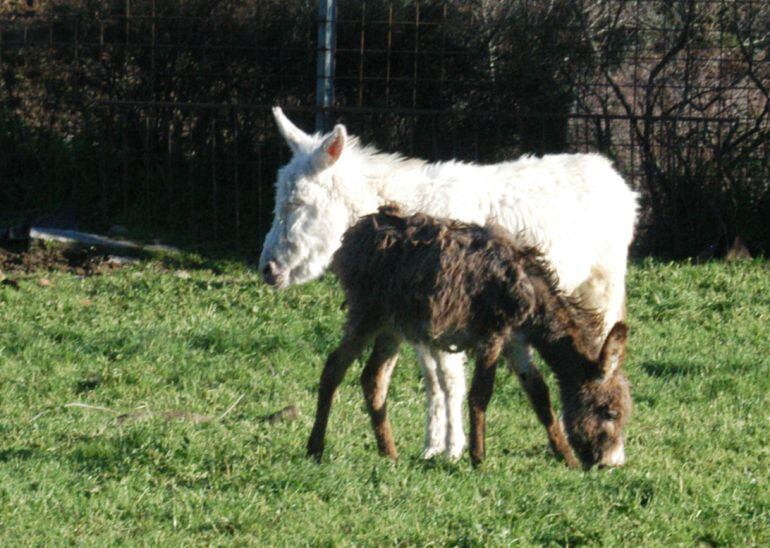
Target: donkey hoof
[
  {"x": 430, "y": 452},
  {"x": 315, "y": 452},
  {"x": 477, "y": 459},
  {"x": 455, "y": 452}
]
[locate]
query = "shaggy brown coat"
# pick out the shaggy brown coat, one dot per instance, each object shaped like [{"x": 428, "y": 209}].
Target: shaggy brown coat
[{"x": 460, "y": 286}]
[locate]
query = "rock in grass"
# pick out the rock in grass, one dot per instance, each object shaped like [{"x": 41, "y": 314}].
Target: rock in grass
[
  {"x": 88, "y": 383},
  {"x": 287, "y": 414}
]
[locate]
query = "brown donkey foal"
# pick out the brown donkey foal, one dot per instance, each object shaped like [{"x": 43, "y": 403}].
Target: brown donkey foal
[{"x": 457, "y": 286}]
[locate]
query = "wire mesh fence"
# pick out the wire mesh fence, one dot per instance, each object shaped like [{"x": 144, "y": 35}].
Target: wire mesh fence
[{"x": 156, "y": 113}]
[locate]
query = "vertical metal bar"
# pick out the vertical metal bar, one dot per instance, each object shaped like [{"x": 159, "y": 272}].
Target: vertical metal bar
[
  {"x": 442, "y": 73},
  {"x": 362, "y": 43},
  {"x": 324, "y": 97},
  {"x": 260, "y": 200},
  {"x": 190, "y": 195},
  {"x": 174, "y": 211},
  {"x": 632, "y": 141},
  {"x": 77, "y": 39},
  {"x": 153, "y": 47},
  {"x": 236, "y": 179},
  {"x": 105, "y": 149},
  {"x": 148, "y": 202},
  {"x": 128, "y": 25},
  {"x": 721, "y": 79},
  {"x": 124, "y": 156},
  {"x": 387, "y": 61},
  {"x": 126, "y": 121},
  {"x": 434, "y": 136},
  {"x": 416, "y": 51},
  {"x": 214, "y": 189}
]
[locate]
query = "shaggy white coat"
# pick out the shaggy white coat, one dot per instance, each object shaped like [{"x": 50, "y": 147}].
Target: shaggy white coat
[{"x": 574, "y": 207}]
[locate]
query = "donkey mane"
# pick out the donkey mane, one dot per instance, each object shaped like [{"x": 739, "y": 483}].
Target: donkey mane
[{"x": 566, "y": 314}]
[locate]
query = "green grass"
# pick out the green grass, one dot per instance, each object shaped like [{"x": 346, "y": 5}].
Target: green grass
[{"x": 143, "y": 341}]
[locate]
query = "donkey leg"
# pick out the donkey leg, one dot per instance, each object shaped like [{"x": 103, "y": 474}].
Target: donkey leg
[
  {"x": 479, "y": 396},
  {"x": 375, "y": 380},
  {"x": 451, "y": 375},
  {"x": 519, "y": 358},
  {"x": 337, "y": 364},
  {"x": 435, "y": 422}
]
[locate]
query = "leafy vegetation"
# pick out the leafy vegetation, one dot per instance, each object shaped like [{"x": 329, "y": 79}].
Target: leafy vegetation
[{"x": 161, "y": 457}]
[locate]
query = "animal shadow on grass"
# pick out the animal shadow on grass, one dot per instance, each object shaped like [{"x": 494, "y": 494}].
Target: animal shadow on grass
[
  {"x": 19, "y": 453},
  {"x": 663, "y": 370},
  {"x": 113, "y": 454},
  {"x": 532, "y": 451},
  {"x": 460, "y": 466},
  {"x": 446, "y": 466}
]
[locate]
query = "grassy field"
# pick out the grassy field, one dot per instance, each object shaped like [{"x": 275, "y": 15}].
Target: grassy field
[{"x": 161, "y": 354}]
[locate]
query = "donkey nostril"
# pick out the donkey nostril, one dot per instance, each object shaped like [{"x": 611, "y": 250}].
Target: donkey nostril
[
  {"x": 268, "y": 272},
  {"x": 272, "y": 273}
]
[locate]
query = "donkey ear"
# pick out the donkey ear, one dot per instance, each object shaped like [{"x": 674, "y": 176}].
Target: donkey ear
[
  {"x": 297, "y": 139},
  {"x": 614, "y": 350},
  {"x": 331, "y": 148}
]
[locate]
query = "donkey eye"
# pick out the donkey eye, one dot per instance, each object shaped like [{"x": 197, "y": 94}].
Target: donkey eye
[
  {"x": 290, "y": 206},
  {"x": 610, "y": 414}
]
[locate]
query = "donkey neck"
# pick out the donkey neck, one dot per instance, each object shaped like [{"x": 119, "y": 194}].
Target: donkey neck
[
  {"x": 567, "y": 335},
  {"x": 561, "y": 354},
  {"x": 396, "y": 178},
  {"x": 440, "y": 189}
]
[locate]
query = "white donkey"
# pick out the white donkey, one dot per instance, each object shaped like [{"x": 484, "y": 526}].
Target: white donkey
[{"x": 574, "y": 207}]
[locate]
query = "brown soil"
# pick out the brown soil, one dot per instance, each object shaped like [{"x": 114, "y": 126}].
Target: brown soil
[{"x": 82, "y": 261}]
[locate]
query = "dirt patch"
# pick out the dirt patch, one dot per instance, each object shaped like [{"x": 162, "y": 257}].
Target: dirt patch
[{"x": 39, "y": 256}]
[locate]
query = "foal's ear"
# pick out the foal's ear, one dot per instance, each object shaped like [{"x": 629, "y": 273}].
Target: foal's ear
[
  {"x": 298, "y": 140},
  {"x": 614, "y": 350},
  {"x": 331, "y": 148}
]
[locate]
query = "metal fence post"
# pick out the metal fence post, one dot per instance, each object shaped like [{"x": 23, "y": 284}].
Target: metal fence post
[{"x": 324, "y": 97}]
